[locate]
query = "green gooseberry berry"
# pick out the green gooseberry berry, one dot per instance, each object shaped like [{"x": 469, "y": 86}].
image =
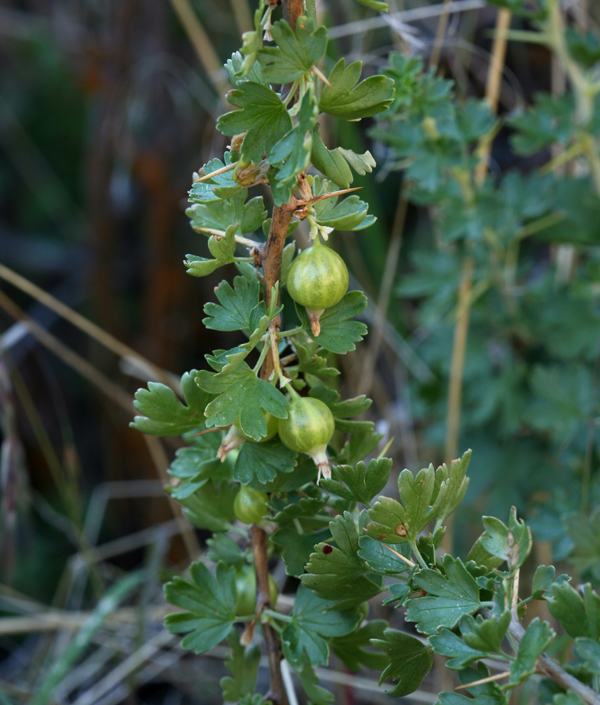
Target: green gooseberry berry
[
  {"x": 318, "y": 279},
  {"x": 245, "y": 585},
  {"x": 308, "y": 428},
  {"x": 250, "y": 505}
]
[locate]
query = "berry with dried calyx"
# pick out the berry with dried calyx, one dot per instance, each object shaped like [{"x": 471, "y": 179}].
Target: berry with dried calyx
[
  {"x": 318, "y": 279},
  {"x": 308, "y": 428}
]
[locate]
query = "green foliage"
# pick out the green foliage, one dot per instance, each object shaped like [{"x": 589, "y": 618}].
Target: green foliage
[
  {"x": 262, "y": 116},
  {"x": 295, "y": 148},
  {"x": 208, "y": 603},
  {"x": 426, "y": 496},
  {"x": 339, "y": 574},
  {"x": 352, "y": 648},
  {"x": 510, "y": 543},
  {"x": 240, "y": 393},
  {"x": 263, "y": 461},
  {"x": 296, "y": 52},
  {"x": 339, "y": 334},
  {"x": 347, "y": 99},
  {"x": 449, "y": 596},
  {"x": 162, "y": 414},
  {"x": 381, "y": 558},
  {"x": 578, "y": 613},
  {"x": 536, "y": 639},
  {"x": 195, "y": 465},
  {"x": 410, "y": 661},
  {"x": 210, "y": 506},
  {"x": 297, "y": 547},
  {"x": 360, "y": 483},
  {"x": 239, "y": 309},
  {"x": 242, "y": 663},
  {"x": 313, "y": 621}
]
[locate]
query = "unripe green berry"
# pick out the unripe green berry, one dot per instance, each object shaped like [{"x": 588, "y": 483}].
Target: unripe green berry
[
  {"x": 245, "y": 585},
  {"x": 318, "y": 279},
  {"x": 250, "y": 505},
  {"x": 308, "y": 429}
]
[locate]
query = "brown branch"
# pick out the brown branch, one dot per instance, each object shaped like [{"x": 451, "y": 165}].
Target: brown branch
[
  {"x": 261, "y": 564},
  {"x": 547, "y": 667},
  {"x": 270, "y": 258},
  {"x": 292, "y": 9}
]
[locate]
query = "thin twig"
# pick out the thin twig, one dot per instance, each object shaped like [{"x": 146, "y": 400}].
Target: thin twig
[
  {"x": 270, "y": 257},
  {"x": 260, "y": 543}
]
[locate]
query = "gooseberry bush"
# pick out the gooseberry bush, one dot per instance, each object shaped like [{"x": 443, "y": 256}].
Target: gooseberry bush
[{"x": 276, "y": 466}]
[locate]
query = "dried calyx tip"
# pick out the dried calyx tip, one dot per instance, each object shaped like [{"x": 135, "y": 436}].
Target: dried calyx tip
[
  {"x": 314, "y": 315},
  {"x": 319, "y": 455},
  {"x": 232, "y": 440}
]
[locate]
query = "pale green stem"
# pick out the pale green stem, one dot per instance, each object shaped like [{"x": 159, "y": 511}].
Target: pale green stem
[
  {"x": 277, "y": 615},
  {"x": 290, "y": 332},
  {"x": 418, "y": 556}
]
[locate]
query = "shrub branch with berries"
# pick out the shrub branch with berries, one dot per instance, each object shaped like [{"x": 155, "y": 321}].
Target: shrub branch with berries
[{"x": 273, "y": 459}]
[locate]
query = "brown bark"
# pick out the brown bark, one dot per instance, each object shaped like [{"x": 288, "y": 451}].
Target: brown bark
[
  {"x": 271, "y": 263},
  {"x": 259, "y": 545},
  {"x": 270, "y": 258},
  {"x": 292, "y": 9}
]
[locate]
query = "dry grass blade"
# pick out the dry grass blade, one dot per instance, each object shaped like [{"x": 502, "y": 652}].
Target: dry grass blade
[
  {"x": 202, "y": 44},
  {"x": 413, "y": 15},
  {"x": 113, "y": 392},
  {"x": 438, "y": 42},
  {"x": 243, "y": 16},
  {"x": 91, "y": 329},
  {"x": 391, "y": 263},
  {"x": 400, "y": 556},
  {"x": 68, "y": 356}
]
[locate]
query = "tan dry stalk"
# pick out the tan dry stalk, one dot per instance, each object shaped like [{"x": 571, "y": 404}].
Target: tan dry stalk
[
  {"x": 464, "y": 295},
  {"x": 461, "y": 331},
  {"x": 383, "y": 300},
  {"x": 201, "y": 42},
  {"x": 94, "y": 331},
  {"x": 113, "y": 392}
]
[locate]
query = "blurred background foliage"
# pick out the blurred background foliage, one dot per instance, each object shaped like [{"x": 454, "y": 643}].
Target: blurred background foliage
[{"x": 106, "y": 110}]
